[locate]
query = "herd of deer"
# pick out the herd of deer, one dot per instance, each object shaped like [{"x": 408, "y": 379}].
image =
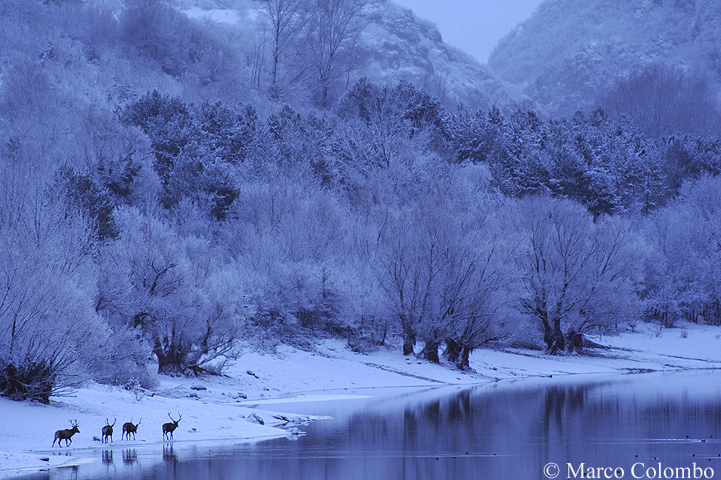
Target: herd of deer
[{"x": 107, "y": 431}]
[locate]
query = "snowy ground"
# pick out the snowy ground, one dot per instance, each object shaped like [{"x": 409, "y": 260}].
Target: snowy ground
[{"x": 219, "y": 409}]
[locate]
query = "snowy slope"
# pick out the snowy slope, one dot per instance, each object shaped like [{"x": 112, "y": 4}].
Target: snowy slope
[{"x": 569, "y": 52}]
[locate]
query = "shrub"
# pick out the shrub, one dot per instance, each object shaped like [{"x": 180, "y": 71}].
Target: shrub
[{"x": 33, "y": 380}]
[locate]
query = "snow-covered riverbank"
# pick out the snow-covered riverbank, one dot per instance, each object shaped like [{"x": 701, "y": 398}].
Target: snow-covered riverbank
[{"x": 221, "y": 409}]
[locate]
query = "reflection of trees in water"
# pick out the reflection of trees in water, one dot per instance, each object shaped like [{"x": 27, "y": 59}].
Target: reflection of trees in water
[
  {"x": 556, "y": 416},
  {"x": 567, "y": 414},
  {"x": 415, "y": 427},
  {"x": 410, "y": 429},
  {"x": 691, "y": 416},
  {"x": 510, "y": 431},
  {"x": 459, "y": 406},
  {"x": 424, "y": 423},
  {"x": 363, "y": 429},
  {"x": 491, "y": 422},
  {"x": 560, "y": 401}
]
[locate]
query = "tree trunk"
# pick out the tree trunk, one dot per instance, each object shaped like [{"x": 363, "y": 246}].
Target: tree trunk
[
  {"x": 409, "y": 341},
  {"x": 409, "y": 334},
  {"x": 464, "y": 364},
  {"x": 171, "y": 359},
  {"x": 574, "y": 341},
  {"x": 453, "y": 350},
  {"x": 430, "y": 351},
  {"x": 552, "y": 335}
]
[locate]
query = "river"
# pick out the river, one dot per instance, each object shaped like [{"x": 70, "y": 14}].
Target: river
[{"x": 647, "y": 425}]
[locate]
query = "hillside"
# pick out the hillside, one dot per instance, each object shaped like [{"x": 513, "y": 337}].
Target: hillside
[
  {"x": 570, "y": 53},
  {"x": 397, "y": 45},
  {"x": 393, "y": 45}
]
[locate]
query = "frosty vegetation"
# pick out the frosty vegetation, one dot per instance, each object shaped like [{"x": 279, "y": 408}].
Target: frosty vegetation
[{"x": 168, "y": 192}]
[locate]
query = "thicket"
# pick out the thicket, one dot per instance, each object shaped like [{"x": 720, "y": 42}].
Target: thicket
[{"x": 169, "y": 225}]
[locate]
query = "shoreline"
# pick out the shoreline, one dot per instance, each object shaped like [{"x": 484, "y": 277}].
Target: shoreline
[{"x": 221, "y": 410}]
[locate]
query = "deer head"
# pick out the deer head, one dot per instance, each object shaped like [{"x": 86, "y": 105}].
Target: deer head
[
  {"x": 169, "y": 428},
  {"x": 66, "y": 434}
]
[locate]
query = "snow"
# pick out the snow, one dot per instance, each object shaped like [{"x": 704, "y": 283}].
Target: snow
[
  {"x": 219, "y": 15},
  {"x": 224, "y": 410}
]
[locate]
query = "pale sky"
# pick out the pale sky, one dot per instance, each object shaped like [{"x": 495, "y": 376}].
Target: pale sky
[{"x": 474, "y": 26}]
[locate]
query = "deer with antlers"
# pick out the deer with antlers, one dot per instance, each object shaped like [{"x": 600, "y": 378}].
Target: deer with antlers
[
  {"x": 129, "y": 428},
  {"x": 169, "y": 428},
  {"x": 108, "y": 430},
  {"x": 66, "y": 434}
]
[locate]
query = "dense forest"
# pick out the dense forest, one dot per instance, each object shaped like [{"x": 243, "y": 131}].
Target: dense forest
[{"x": 170, "y": 195}]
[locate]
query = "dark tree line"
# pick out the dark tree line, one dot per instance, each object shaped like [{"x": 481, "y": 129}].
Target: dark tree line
[{"x": 607, "y": 165}]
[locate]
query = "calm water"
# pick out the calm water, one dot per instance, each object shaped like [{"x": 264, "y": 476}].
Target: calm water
[{"x": 628, "y": 424}]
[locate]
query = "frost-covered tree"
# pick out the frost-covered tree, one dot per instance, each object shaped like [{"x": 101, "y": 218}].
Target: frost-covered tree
[
  {"x": 664, "y": 101},
  {"x": 290, "y": 239},
  {"x": 409, "y": 261},
  {"x": 604, "y": 163},
  {"x": 333, "y": 28},
  {"x": 682, "y": 276},
  {"x": 171, "y": 288},
  {"x": 48, "y": 327},
  {"x": 198, "y": 149},
  {"x": 441, "y": 273},
  {"x": 287, "y": 20},
  {"x": 577, "y": 274},
  {"x": 384, "y": 124},
  {"x": 470, "y": 294},
  {"x": 294, "y": 145}
]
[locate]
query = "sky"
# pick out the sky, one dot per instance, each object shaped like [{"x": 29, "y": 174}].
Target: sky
[{"x": 474, "y": 26}]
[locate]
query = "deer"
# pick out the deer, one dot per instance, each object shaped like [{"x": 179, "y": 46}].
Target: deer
[
  {"x": 108, "y": 430},
  {"x": 66, "y": 434},
  {"x": 169, "y": 428},
  {"x": 129, "y": 428}
]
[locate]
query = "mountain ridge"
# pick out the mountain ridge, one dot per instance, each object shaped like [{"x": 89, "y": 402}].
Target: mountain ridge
[
  {"x": 418, "y": 54},
  {"x": 568, "y": 54}
]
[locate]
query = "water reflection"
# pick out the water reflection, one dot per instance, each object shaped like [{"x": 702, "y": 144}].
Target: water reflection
[
  {"x": 503, "y": 430},
  {"x": 513, "y": 431},
  {"x": 107, "y": 460},
  {"x": 168, "y": 454},
  {"x": 107, "y": 457},
  {"x": 130, "y": 456}
]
